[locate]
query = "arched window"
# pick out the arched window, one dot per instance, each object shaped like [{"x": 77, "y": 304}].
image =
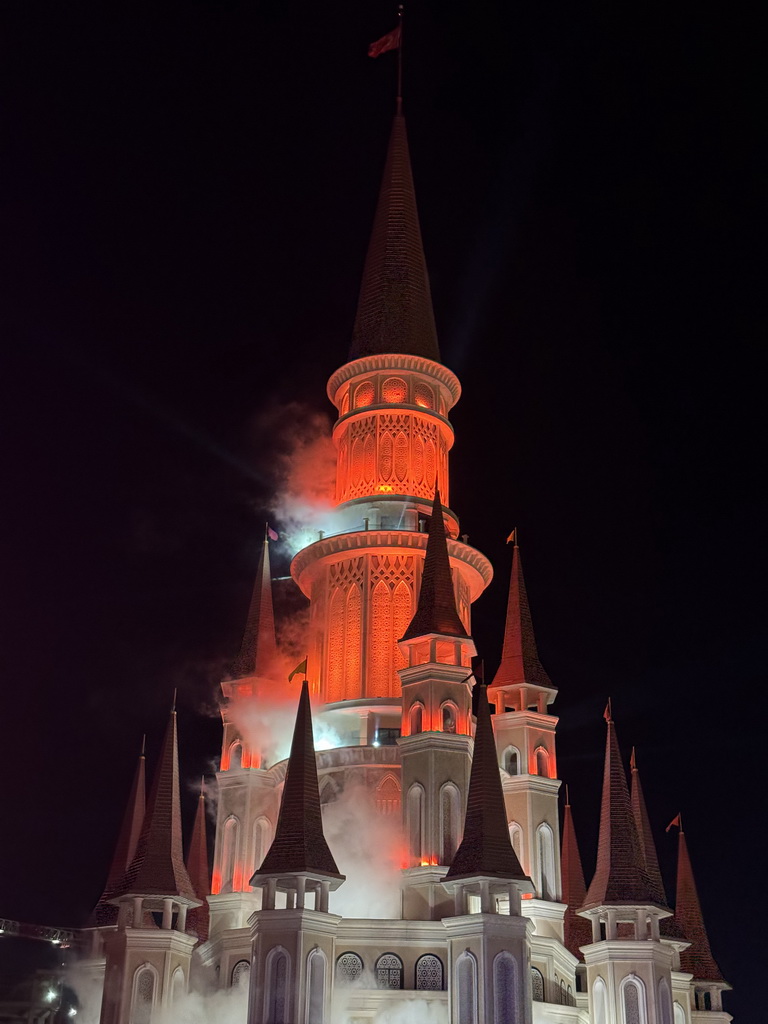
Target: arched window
[
  {"x": 388, "y": 795},
  {"x": 276, "y": 993},
  {"x": 416, "y": 718},
  {"x": 429, "y": 973},
  {"x": 349, "y": 967},
  {"x": 236, "y": 755},
  {"x": 316, "y": 971},
  {"x": 633, "y": 1006},
  {"x": 504, "y": 989},
  {"x": 241, "y": 973},
  {"x": 599, "y": 1002},
  {"x": 510, "y": 761},
  {"x": 424, "y": 396},
  {"x": 466, "y": 985},
  {"x": 345, "y": 403},
  {"x": 537, "y": 985},
  {"x": 364, "y": 394},
  {"x": 545, "y": 844},
  {"x": 178, "y": 985},
  {"x": 416, "y": 821},
  {"x": 665, "y": 1002},
  {"x": 542, "y": 762},
  {"x": 389, "y": 971},
  {"x": 449, "y": 717},
  {"x": 144, "y": 992},
  {"x": 261, "y": 834},
  {"x": 516, "y": 838},
  {"x": 679, "y": 1014},
  {"x": 229, "y": 852},
  {"x": 394, "y": 390},
  {"x": 449, "y": 822},
  {"x": 563, "y": 998}
]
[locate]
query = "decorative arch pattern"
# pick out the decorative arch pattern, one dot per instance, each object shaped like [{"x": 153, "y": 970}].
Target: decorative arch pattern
[
  {"x": 349, "y": 967},
  {"x": 429, "y": 973},
  {"x": 276, "y": 994},
  {"x": 241, "y": 973},
  {"x": 633, "y": 1002},
  {"x": 389, "y": 971},
  {"x": 537, "y": 985},
  {"x": 388, "y": 796}
]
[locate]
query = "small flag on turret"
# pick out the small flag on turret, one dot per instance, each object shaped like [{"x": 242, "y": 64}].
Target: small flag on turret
[
  {"x": 272, "y": 534},
  {"x": 300, "y": 668},
  {"x": 675, "y": 821},
  {"x": 391, "y": 41},
  {"x": 607, "y": 713},
  {"x": 512, "y": 538}
]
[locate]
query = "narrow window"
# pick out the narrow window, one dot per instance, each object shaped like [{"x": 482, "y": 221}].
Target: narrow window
[
  {"x": 504, "y": 989},
  {"x": 600, "y": 1002},
  {"x": 449, "y": 822},
  {"x": 415, "y": 824},
  {"x": 416, "y": 718},
  {"x": 229, "y": 852},
  {"x": 449, "y": 718},
  {"x": 542, "y": 763},
  {"x": 277, "y": 988},
  {"x": 143, "y": 995},
  {"x": 511, "y": 761},
  {"x": 316, "y": 987},
  {"x": 537, "y": 985},
  {"x": 466, "y": 983},
  {"x": 546, "y": 851},
  {"x": 241, "y": 972}
]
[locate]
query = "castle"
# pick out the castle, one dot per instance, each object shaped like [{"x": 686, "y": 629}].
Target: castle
[{"x": 493, "y": 922}]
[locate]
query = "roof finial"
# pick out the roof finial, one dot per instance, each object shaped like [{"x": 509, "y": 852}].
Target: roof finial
[
  {"x": 567, "y": 795},
  {"x": 633, "y": 760},
  {"x": 608, "y": 714},
  {"x": 173, "y": 705},
  {"x": 143, "y": 746}
]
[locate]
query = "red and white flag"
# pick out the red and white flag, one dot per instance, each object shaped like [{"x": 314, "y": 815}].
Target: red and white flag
[{"x": 390, "y": 41}]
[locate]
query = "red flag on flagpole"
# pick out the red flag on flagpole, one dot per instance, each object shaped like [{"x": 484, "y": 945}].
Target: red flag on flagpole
[
  {"x": 675, "y": 821},
  {"x": 607, "y": 712},
  {"x": 272, "y": 534},
  {"x": 391, "y": 41}
]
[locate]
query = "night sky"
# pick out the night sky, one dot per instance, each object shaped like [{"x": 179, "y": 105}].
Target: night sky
[{"x": 188, "y": 192}]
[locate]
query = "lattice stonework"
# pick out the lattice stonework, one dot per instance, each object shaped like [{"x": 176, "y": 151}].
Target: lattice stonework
[
  {"x": 392, "y": 451},
  {"x": 392, "y": 585},
  {"x": 344, "y": 630}
]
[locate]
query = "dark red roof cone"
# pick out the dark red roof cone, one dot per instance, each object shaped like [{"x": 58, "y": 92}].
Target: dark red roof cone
[
  {"x": 259, "y": 648},
  {"x": 394, "y": 310},
  {"x": 578, "y": 931},
  {"x": 299, "y": 845},
  {"x": 104, "y": 912},
  {"x": 620, "y": 876},
  {"x": 485, "y": 848},
  {"x": 199, "y": 871},
  {"x": 157, "y": 868},
  {"x": 643, "y": 825},
  {"x": 697, "y": 959},
  {"x": 436, "y": 610},
  {"x": 519, "y": 657}
]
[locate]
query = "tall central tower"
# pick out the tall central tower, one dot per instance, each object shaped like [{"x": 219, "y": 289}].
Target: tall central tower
[{"x": 392, "y": 438}]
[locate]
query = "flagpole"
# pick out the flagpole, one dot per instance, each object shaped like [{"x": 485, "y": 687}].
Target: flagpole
[{"x": 400, "y": 62}]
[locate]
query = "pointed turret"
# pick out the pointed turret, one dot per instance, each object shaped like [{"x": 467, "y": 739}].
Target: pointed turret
[
  {"x": 697, "y": 959},
  {"x": 485, "y": 849},
  {"x": 643, "y": 825},
  {"x": 104, "y": 912},
  {"x": 620, "y": 877},
  {"x": 520, "y": 663},
  {"x": 436, "y": 610},
  {"x": 259, "y": 648},
  {"x": 157, "y": 869},
  {"x": 394, "y": 310},
  {"x": 299, "y": 845},
  {"x": 199, "y": 871},
  {"x": 577, "y": 929}
]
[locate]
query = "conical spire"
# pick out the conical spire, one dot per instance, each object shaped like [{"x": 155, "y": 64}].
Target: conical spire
[
  {"x": 125, "y": 848},
  {"x": 620, "y": 876},
  {"x": 394, "y": 311},
  {"x": 519, "y": 657},
  {"x": 697, "y": 959},
  {"x": 299, "y": 845},
  {"x": 485, "y": 848},
  {"x": 199, "y": 871},
  {"x": 436, "y": 610},
  {"x": 157, "y": 868},
  {"x": 643, "y": 825},
  {"x": 258, "y": 649},
  {"x": 578, "y": 931}
]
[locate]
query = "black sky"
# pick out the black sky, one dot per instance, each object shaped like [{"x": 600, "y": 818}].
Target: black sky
[{"x": 187, "y": 195}]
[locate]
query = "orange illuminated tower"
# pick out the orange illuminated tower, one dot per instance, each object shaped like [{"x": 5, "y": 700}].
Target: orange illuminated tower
[{"x": 392, "y": 438}]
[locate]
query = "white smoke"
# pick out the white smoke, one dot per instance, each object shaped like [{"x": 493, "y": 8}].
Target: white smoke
[
  {"x": 368, "y": 849},
  {"x": 408, "y": 1009},
  {"x": 223, "y": 1006}
]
